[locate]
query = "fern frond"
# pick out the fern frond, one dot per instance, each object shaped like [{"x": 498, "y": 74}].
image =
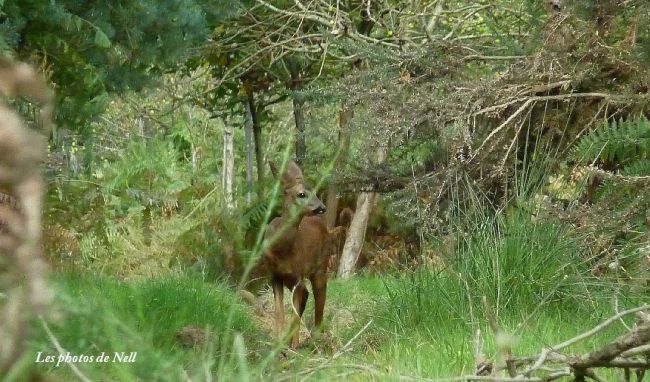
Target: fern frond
[
  {"x": 619, "y": 141},
  {"x": 254, "y": 216},
  {"x": 639, "y": 167}
]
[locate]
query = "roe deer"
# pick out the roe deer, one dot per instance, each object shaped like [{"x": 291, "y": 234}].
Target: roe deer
[{"x": 297, "y": 250}]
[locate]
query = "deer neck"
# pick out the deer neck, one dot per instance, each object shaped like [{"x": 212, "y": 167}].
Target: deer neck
[{"x": 291, "y": 219}]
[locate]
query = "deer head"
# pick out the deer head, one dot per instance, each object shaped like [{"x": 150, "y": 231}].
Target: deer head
[{"x": 297, "y": 194}]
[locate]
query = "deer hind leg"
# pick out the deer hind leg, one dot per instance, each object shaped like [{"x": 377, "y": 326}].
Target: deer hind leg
[
  {"x": 278, "y": 294},
  {"x": 319, "y": 285},
  {"x": 300, "y": 296}
]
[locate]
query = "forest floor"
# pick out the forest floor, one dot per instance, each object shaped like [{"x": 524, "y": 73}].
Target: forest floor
[{"x": 369, "y": 333}]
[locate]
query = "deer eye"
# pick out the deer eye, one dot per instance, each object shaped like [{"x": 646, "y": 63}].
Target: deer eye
[{"x": 302, "y": 195}]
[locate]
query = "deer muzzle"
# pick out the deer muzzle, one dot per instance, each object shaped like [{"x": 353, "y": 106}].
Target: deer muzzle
[{"x": 319, "y": 210}]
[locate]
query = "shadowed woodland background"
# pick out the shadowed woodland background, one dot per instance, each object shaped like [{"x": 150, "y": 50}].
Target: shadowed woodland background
[{"x": 495, "y": 153}]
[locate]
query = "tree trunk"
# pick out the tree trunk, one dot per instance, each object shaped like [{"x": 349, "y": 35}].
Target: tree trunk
[
  {"x": 298, "y": 113},
  {"x": 332, "y": 201},
  {"x": 250, "y": 151},
  {"x": 257, "y": 137},
  {"x": 228, "y": 170},
  {"x": 357, "y": 232},
  {"x": 299, "y": 117}
]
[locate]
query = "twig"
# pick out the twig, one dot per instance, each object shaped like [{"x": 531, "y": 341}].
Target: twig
[
  {"x": 347, "y": 344},
  {"x": 462, "y": 22},
  {"x": 554, "y": 349},
  {"x": 61, "y": 350},
  {"x": 558, "y": 97},
  {"x": 592, "y": 374},
  {"x": 326, "y": 364},
  {"x": 636, "y": 351},
  {"x": 308, "y": 372},
  {"x": 619, "y": 177},
  {"x": 598, "y": 327},
  {"x": 480, "y": 57},
  {"x": 602, "y": 357},
  {"x": 500, "y": 127}
]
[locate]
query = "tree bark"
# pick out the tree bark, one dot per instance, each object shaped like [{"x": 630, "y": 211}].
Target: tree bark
[
  {"x": 357, "y": 232},
  {"x": 228, "y": 170},
  {"x": 298, "y": 112},
  {"x": 299, "y": 117},
  {"x": 257, "y": 138},
  {"x": 250, "y": 151},
  {"x": 332, "y": 201}
]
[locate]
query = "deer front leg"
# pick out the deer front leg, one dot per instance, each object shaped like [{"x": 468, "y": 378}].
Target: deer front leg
[
  {"x": 319, "y": 285},
  {"x": 278, "y": 295},
  {"x": 300, "y": 296}
]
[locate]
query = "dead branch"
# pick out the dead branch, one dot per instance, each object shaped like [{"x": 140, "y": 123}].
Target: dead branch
[
  {"x": 629, "y": 351},
  {"x": 639, "y": 336}
]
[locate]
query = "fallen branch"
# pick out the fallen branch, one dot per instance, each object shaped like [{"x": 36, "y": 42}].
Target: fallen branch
[
  {"x": 630, "y": 351},
  {"x": 639, "y": 336}
]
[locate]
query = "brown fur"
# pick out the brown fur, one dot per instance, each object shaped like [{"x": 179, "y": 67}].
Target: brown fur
[
  {"x": 345, "y": 217},
  {"x": 297, "y": 251}
]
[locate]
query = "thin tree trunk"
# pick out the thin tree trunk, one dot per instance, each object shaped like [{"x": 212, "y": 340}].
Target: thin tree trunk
[
  {"x": 228, "y": 170},
  {"x": 357, "y": 232},
  {"x": 257, "y": 137},
  {"x": 299, "y": 117},
  {"x": 250, "y": 152},
  {"x": 195, "y": 157},
  {"x": 332, "y": 201},
  {"x": 298, "y": 113}
]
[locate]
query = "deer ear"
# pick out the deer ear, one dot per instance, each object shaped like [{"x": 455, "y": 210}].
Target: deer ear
[
  {"x": 292, "y": 172},
  {"x": 274, "y": 169}
]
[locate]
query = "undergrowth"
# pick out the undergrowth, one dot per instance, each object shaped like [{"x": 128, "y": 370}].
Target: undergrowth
[
  {"x": 421, "y": 323},
  {"x": 99, "y": 314}
]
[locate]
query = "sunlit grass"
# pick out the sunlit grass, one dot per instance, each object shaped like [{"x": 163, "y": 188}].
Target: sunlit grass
[
  {"x": 375, "y": 332},
  {"x": 417, "y": 323},
  {"x": 98, "y": 314}
]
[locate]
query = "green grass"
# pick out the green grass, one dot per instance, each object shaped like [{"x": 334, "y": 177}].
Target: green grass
[
  {"x": 98, "y": 314},
  {"x": 426, "y": 337},
  {"x": 418, "y": 323},
  {"x": 438, "y": 342}
]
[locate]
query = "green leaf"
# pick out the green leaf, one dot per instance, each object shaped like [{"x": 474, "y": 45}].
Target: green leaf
[{"x": 101, "y": 40}]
